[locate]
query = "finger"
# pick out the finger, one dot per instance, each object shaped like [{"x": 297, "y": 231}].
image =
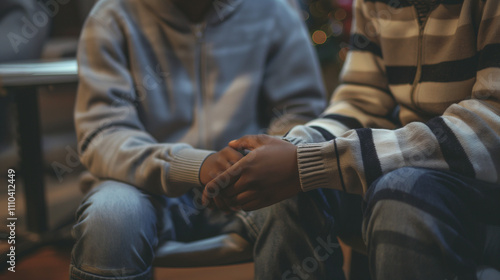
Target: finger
[
  {"x": 209, "y": 193},
  {"x": 253, "y": 205},
  {"x": 241, "y": 199},
  {"x": 224, "y": 180},
  {"x": 233, "y": 207},
  {"x": 235, "y": 189},
  {"x": 249, "y": 142},
  {"x": 231, "y": 155}
]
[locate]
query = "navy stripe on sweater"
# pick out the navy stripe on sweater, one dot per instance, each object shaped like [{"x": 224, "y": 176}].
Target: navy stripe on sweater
[
  {"x": 341, "y": 177},
  {"x": 351, "y": 123},
  {"x": 371, "y": 162},
  {"x": 399, "y": 75},
  {"x": 325, "y": 133},
  {"x": 449, "y": 71},
  {"x": 489, "y": 57},
  {"x": 361, "y": 43},
  {"x": 453, "y": 152}
]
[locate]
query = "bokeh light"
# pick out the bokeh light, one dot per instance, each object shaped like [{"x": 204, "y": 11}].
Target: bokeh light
[
  {"x": 337, "y": 28},
  {"x": 340, "y": 14},
  {"x": 343, "y": 53},
  {"x": 319, "y": 37}
]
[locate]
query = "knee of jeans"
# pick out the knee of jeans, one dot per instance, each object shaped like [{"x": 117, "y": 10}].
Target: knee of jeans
[
  {"x": 113, "y": 211},
  {"x": 296, "y": 213},
  {"x": 397, "y": 183},
  {"x": 406, "y": 186},
  {"x": 115, "y": 231},
  {"x": 400, "y": 181}
]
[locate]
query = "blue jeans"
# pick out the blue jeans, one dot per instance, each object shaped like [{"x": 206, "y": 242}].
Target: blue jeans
[
  {"x": 297, "y": 238},
  {"x": 427, "y": 224},
  {"x": 119, "y": 228},
  {"x": 417, "y": 224}
]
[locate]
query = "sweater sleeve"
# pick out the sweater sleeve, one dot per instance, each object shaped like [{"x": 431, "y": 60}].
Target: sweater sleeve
[
  {"x": 363, "y": 98},
  {"x": 113, "y": 143},
  {"x": 465, "y": 139},
  {"x": 292, "y": 84}
]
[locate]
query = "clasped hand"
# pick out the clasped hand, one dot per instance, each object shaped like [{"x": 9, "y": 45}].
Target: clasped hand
[{"x": 266, "y": 175}]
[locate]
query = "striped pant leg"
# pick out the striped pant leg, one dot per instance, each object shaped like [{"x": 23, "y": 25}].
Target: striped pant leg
[{"x": 427, "y": 224}]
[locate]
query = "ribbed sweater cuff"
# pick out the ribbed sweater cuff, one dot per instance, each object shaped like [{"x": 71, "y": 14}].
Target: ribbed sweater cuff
[
  {"x": 317, "y": 165},
  {"x": 185, "y": 168},
  {"x": 294, "y": 140}
]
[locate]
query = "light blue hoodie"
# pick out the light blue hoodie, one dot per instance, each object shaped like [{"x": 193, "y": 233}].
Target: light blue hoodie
[{"x": 158, "y": 93}]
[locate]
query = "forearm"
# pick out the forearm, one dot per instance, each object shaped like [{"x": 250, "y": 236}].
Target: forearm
[
  {"x": 464, "y": 140},
  {"x": 136, "y": 158}
]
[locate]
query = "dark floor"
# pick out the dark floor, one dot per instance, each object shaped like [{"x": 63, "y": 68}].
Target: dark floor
[{"x": 52, "y": 263}]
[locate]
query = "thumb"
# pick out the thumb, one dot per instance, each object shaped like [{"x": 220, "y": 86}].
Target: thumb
[{"x": 249, "y": 142}]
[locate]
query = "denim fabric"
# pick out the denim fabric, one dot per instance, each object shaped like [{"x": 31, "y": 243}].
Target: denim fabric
[
  {"x": 297, "y": 238},
  {"x": 119, "y": 227},
  {"x": 427, "y": 224},
  {"x": 417, "y": 223}
]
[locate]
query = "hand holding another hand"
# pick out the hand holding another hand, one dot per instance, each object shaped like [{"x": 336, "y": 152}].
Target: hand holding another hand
[
  {"x": 217, "y": 163},
  {"x": 267, "y": 175},
  {"x": 214, "y": 165}
]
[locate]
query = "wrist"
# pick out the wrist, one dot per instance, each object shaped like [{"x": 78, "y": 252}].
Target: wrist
[
  {"x": 185, "y": 168},
  {"x": 204, "y": 173},
  {"x": 315, "y": 165}
]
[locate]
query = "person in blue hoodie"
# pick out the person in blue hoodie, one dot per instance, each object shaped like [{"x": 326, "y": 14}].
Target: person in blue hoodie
[{"x": 164, "y": 85}]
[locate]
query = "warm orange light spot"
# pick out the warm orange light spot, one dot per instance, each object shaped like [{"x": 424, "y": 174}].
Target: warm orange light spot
[
  {"x": 340, "y": 14},
  {"x": 343, "y": 54},
  {"x": 319, "y": 37}
]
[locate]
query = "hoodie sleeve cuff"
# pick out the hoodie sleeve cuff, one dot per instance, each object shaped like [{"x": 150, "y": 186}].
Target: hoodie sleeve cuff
[
  {"x": 185, "y": 168},
  {"x": 317, "y": 165}
]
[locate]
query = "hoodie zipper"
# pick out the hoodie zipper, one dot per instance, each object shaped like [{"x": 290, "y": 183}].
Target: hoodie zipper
[
  {"x": 199, "y": 32},
  {"x": 418, "y": 74}
]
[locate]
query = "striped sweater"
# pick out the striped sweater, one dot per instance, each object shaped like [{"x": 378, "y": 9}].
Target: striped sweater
[{"x": 412, "y": 94}]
